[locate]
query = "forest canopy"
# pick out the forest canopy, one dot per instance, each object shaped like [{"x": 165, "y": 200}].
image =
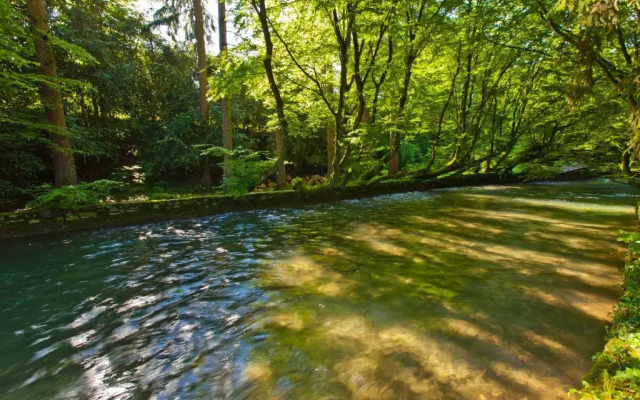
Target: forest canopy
[{"x": 97, "y": 95}]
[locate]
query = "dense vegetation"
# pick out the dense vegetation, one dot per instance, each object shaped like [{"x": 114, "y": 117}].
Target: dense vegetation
[
  {"x": 355, "y": 91},
  {"x": 99, "y": 102}
]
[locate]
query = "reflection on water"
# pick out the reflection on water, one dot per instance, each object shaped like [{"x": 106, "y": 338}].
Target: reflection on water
[{"x": 476, "y": 293}]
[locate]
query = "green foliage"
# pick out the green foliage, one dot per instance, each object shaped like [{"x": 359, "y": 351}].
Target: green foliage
[
  {"x": 11, "y": 196},
  {"x": 178, "y": 145},
  {"x": 244, "y": 169},
  {"x": 131, "y": 96},
  {"x": 74, "y": 197},
  {"x": 538, "y": 172},
  {"x": 298, "y": 185},
  {"x": 410, "y": 153}
]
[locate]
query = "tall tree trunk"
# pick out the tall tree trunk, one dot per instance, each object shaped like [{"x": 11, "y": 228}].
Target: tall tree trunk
[
  {"x": 227, "y": 140},
  {"x": 202, "y": 80},
  {"x": 64, "y": 169}
]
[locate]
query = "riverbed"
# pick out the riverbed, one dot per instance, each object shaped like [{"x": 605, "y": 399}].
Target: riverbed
[{"x": 466, "y": 293}]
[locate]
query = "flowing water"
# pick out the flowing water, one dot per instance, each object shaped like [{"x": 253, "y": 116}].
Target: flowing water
[{"x": 472, "y": 293}]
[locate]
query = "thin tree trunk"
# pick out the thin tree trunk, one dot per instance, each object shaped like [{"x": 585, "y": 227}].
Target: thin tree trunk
[
  {"x": 366, "y": 116},
  {"x": 331, "y": 147},
  {"x": 394, "y": 142},
  {"x": 344, "y": 41},
  {"x": 378, "y": 84},
  {"x": 202, "y": 80},
  {"x": 394, "y": 137},
  {"x": 227, "y": 139},
  {"x": 331, "y": 132},
  {"x": 412, "y": 55},
  {"x": 64, "y": 169},
  {"x": 283, "y": 132},
  {"x": 626, "y": 162},
  {"x": 281, "y": 175}
]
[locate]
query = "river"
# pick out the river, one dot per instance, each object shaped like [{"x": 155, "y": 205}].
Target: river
[{"x": 466, "y": 293}]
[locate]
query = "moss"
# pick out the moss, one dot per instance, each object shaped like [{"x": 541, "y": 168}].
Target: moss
[
  {"x": 141, "y": 209},
  {"x": 88, "y": 215},
  {"x": 71, "y": 217}
]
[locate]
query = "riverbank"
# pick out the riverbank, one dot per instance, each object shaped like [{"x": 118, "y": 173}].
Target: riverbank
[
  {"x": 36, "y": 222},
  {"x": 616, "y": 370}
]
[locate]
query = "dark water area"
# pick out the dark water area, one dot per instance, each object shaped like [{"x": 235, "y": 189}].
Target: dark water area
[{"x": 472, "y": 293}]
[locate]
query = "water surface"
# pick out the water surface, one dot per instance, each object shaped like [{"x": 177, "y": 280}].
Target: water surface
[{"x": 474, "y": 293}]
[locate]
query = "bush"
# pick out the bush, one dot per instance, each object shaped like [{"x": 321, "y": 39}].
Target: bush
[
  {"x": 175, "y": 146},
  {"x": 409, "y": 153},
  {"x": 74, "y": 197},
  {"x": 11, "y": 196},
  {"x": 243, "y": 171},
  {"x": 297, "y": 184}
]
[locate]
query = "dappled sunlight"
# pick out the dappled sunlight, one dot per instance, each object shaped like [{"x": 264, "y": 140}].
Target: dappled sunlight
[
  {"x": 384, "y": 247},
  {"x": 396, "y": 362},
  {"x": 331, "y": 252},
  {"x": 552, "y": 346},
  {"x": 295, "y": 271},
  {"x": 556, "y": 204},
  {"x": 375, "y": 237},
  {"x": 452, "y": 223},
  {"x": 438, "y": 295},
  {"x": 591, "y": 275},
  {"x": 260, "y": 376},
  {"x": 591, "y": 304},
  {"x": 519, "y": 257},
  {"x": 470, "y": 301},
  {"x": 515, "y": 217},
  {"x": 289, "y": 321},
  {"x": 302, "y": 271},
  {"x": 577, "y": 243},
  {"x": 469, "y": 330}
]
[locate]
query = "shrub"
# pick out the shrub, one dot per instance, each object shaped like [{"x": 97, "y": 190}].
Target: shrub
[
  {"x": 74, "y": 197},
  {"x": 298, "y": 184},
  {"x": 409, "y": 153},
  {"x": 243, "y": 171},
  {"x": 11, "y": 196}
]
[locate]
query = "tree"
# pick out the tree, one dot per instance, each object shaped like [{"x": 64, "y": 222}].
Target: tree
[
  {"x": 170, "y": 14},
  {"x": 63, "y": 163},
  {"x": 201, "y": 46},
  {"x": 227, "y": 134},
  {"x": 607, "y": 40},
  {"x": 282, "y": 134}
]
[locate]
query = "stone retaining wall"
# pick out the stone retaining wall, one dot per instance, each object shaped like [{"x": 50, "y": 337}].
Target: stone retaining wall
[{"x": 39, "y": 222}]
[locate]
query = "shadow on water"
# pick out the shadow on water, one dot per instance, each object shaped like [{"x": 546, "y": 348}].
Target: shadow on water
[{"x": 492, "y": 292}]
